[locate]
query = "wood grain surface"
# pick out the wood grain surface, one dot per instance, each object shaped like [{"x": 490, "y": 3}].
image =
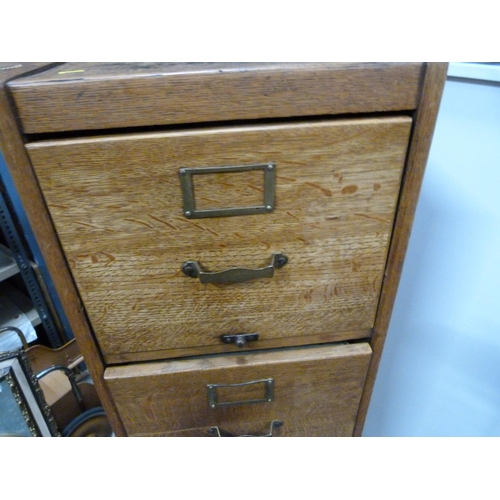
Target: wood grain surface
[
  {"x": 423, "y": 129},
  {"x": 117, "y": 206},
  {"x": 316, "y": 392},
  {"x": 93, "y": 96}
]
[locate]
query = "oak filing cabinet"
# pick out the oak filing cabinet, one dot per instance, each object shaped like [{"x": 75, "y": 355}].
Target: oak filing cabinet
[{"x": 226, "y": 238}]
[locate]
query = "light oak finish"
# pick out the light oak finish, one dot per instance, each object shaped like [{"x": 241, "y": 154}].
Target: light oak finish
[
  {"x": 316, "y": 392},
  {"x": 93, "y": 96},
  {"x": 217, "y": 114},
  {"x": 117, "y": 207},
  {"x": 425, "y": 121},
  {"x": 219, "y": 347}
]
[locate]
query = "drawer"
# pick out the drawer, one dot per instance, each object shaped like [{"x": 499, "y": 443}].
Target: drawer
[
  {"x": 118, "y": 208},
  {"x": 305, "y": 391}
]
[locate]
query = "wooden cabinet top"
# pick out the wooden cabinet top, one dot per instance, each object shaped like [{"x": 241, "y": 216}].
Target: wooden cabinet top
[{"x": 99, "y": 96}]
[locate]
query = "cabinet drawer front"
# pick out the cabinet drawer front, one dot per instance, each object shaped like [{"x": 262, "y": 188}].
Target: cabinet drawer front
[
  {"x": 316, "y": 392},
  {"x": 117, "y": 205}
]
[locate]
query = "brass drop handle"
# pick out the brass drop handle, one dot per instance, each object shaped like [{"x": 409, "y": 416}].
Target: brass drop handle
[
  {"x": 193, "y": 269},
  {"x": 218, "y": 432}
]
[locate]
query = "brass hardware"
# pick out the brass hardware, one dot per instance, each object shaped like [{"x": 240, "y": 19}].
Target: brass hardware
[
  {"x": 214, "y": 402},
  {"x": 240, "y": 339},
  {"x": 188, "y": 191},
  {"x": 192, "y": 268},
  {"x": 218, "y": 432}
]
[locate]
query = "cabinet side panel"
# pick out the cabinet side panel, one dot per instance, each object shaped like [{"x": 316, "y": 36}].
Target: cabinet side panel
[
  {"x": 420, "y": 144},
  {"x": 19, "y": 165}
]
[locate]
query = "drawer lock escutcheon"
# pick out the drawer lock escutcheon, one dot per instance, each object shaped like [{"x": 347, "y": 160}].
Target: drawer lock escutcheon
[
  {"x": 193, "y": 269},
  {"x": 240, "y": 339},
  {"x": 213, "y": 398}
]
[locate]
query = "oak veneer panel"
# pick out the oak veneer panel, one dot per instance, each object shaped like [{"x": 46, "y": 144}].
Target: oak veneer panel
[
  {"x": 126, "y": 238},
  {"x": 316, "y": 392},
  {"x": 117, "y": 206},
  {"x": 263, "y": 343},
  {"x": 93, "y": 96}
]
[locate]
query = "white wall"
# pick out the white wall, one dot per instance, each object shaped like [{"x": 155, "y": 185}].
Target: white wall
[{"x": 440, "y": 371}]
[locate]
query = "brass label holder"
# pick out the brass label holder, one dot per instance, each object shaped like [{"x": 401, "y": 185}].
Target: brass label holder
[
  {"x": 213, "y": 400},
  {"x": 188, "y": 192}
]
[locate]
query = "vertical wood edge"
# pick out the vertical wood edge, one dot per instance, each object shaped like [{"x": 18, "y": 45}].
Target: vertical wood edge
[
  {"x": 21, "y": 171},
  {"x": 420, "y": 142}
]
